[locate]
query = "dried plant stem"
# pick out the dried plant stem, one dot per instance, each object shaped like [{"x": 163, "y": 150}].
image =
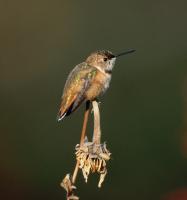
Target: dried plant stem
[
  {"x": 91, "y": 156},
  {"x": 75, "y": 172},
  {"x": 83, "y": 134},
  {"x": 85, "y": 122},
  {"x": 97, "y": 128}
]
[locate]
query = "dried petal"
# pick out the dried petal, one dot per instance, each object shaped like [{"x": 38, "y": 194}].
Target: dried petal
[{"x": 102, "y": 178}]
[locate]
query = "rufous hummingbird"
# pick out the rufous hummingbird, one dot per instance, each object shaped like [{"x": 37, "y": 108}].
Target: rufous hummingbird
[{"x": 88, "y": 80}]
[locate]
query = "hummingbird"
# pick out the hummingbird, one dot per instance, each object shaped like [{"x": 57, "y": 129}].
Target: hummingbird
[{"x": 88, "y": 81}]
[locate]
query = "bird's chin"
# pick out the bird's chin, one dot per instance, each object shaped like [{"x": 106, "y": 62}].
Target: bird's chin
[{"x": 111, "y": 64}]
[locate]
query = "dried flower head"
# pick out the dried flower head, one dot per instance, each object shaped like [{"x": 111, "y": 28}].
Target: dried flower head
[
  {"x": 69, "y": 187},
  {"x": 92, "y": 158}
]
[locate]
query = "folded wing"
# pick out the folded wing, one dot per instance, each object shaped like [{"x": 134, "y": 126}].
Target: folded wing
[{"x": 77, "y": 84}]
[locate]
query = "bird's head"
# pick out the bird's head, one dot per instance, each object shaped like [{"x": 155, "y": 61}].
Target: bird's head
[{"x": 104, "y": 59}]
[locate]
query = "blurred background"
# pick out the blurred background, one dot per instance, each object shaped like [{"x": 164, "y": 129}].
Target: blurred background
[{"x": 144, "y": 113}]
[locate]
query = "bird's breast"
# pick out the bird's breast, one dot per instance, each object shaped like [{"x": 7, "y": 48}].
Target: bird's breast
[{"x": 99, "y": 85}]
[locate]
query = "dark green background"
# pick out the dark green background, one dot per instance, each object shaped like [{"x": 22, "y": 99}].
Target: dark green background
[{"x": 143, "y": 113}]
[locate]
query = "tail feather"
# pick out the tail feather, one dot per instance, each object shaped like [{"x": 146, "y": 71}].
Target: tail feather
[
  {"x": 66, "y": 112},
  {"x": 63, "y": 113},
  {"x": 60, "y": 116}
]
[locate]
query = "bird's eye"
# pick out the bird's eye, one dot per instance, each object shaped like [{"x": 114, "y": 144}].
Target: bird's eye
[{"x": 105, "y": 59}]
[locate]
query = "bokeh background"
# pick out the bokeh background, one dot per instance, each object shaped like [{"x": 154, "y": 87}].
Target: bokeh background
[{"x": 144, "y": 113}]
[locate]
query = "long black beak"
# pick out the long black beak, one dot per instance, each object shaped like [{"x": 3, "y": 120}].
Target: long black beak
[{"x": 124, "y": 53}]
